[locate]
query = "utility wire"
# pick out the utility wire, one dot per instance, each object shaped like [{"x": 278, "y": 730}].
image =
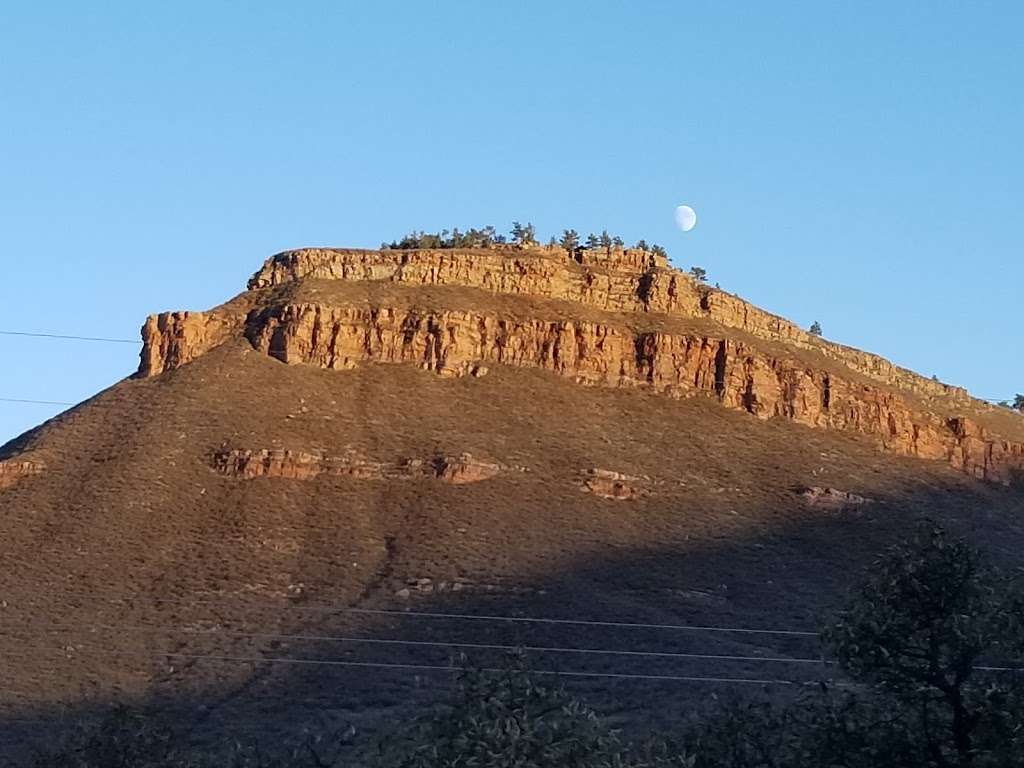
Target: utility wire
[
  {"x": 471, "y": 646},
  {"x": 34, "y": 402},
  {"x": 443, "y": 668},
  {"x": 465, "y": 616},
  {"x": 580, "y": 622},
  {"x": 433, "y": 643},
  {"x": 70, "y": 338}
]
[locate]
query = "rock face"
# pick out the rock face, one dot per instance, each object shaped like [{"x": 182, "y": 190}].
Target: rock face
[
  {"x": 738, "y": 374},
  {"x": 11, "y": 472},
  {"x": 302, "y": 465},
  {"x": 621, "y": 281},
  {"x": 739, "y": 355},
  {"x": 171, "y": 339}
]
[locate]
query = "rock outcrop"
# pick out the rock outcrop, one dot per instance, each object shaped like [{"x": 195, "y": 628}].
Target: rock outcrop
[
  {"x": 171, "y": 339},
  {"x": 832, "y": 498},
  {"x": 738, "y": 374},
  {"x": 303, "y": 465},
  {"x": 633, "y": 335},
  {"x": 617, "y": 486},
  {"x": 12, "y": 472},
  {"x": 621, "y": 281}
]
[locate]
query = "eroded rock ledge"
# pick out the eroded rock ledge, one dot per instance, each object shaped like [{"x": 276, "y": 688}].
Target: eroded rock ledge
[
  {"x": 303, "y": 465},
  {"x": 11, "y": 472},
  {"x": 908, "y": 414},
  {"x": 620, "y": 280},
  {"x": 171, "y": 339},
  {"x": 739, "y": 375}
]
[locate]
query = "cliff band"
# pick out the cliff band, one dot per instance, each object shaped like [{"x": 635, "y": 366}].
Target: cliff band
[{"x": 617, "y": 318}]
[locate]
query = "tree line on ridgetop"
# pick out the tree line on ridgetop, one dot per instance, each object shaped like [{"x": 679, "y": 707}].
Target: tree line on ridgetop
[
  {"x": 520, "y": 234},
  {"x": 525, "y": 235},
  {"x": 929, "y": 648}
]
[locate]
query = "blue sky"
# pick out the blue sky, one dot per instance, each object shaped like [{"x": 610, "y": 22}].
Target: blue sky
[{"x": 859, "y": 164}]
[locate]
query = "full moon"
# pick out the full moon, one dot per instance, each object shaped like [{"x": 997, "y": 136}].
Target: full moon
[{"x": 686, "y": 218}]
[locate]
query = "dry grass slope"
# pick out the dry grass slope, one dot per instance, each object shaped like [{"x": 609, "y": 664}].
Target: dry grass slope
[{"x": 130, "y": 551}]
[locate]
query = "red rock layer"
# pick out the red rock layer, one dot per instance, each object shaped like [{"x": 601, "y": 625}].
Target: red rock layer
[
  {"x": 876, "y": 398},
  {"x": 739, "y": 375},
  {"x": 11, "y": 472},
  {"x": 620, "y": 280},
  {"x": 302, "y": 465}
]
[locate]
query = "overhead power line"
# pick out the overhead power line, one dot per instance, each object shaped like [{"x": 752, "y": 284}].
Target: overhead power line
[
  {"x": 444, "y": 668},
  {"x": 463, "y": 616},
  {"x": 69, "y": 337},
  {"x": 466, "y": 645},
  {"x": 34, "y": 402},
  {"x": 582, "y": 622},
  {"x": 434, "y": 644}
]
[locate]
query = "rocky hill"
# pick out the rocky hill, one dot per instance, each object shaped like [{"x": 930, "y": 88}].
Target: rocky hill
[
  {"x": 265, "y": 523},
  {"x": 620, "y": 318}
]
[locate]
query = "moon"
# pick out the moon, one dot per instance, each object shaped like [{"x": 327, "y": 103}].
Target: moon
[{"x": 686, "y": 218}]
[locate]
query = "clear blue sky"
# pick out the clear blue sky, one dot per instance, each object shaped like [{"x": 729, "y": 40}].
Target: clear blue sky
[{"x": 856, "y": 163}]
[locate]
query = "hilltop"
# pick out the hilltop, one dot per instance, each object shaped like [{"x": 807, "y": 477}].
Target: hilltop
[
  {"x": 616, "y": 317},
  {"x": 504, "y": 431}
]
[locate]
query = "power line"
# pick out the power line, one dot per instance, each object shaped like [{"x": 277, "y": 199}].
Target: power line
[
  {"x": 34, "y": 402},
  {"x": 440, "y": 644},
  {"x": 581, "y": 622},
  {"x": 476, "y": 646},
  {"x": 70, "y": 338},
  {"x": 470, "y": 617},
  {"x": 442, "y": 668}
]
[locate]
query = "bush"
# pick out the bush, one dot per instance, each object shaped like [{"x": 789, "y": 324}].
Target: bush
[
  {"x": 127, "y": 739},
  {"x": 925, "y": 641},
  {"x": 912, "y": 639},
  {"x": 509, "y": 719}
]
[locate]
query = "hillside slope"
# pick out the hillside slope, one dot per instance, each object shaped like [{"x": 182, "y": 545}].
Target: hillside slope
[{"x": 475, "y": 433}]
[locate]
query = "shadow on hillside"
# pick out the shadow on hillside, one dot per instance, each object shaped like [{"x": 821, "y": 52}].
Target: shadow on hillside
[{"x": 787, "y": 579}]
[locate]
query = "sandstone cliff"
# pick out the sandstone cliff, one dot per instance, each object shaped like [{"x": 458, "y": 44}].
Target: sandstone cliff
[
  {"x": 624, "y": 281},
  {"x": 737, "y": 354}
]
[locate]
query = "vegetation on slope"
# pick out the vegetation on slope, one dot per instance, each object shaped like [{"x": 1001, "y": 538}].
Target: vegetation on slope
[{"x": 925, "y": 643}]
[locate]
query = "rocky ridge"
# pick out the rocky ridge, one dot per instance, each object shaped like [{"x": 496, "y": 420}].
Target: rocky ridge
[{"x": 907, "y": 413}]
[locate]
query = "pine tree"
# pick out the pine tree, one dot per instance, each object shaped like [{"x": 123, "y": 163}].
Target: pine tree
[
  {"x": 523, "y": 234},
  {"x": 570, "y": 240},
  {"x": 815, "y": 329}
]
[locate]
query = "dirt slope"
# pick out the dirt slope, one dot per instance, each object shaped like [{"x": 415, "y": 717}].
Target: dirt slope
[{"x": 239, "y": 507}]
